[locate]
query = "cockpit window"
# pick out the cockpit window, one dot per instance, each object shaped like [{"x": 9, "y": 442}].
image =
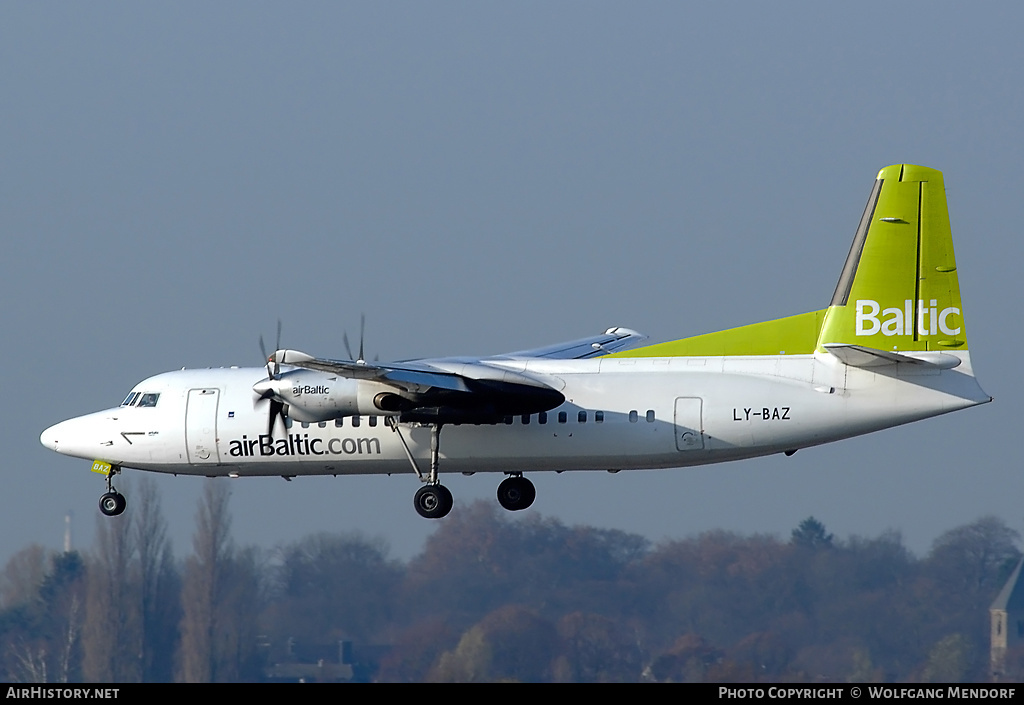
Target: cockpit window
[
  {"x": 148, "y": 399},
  {"x": 130, "y": 399}
]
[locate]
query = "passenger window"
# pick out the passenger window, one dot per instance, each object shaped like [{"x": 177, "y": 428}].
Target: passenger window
[
  {"x": 650, "y": 416},
  {"x": 526, "y": 419},
  {"x": 562, "y": 417},
  {"x": 508, "y": 420},
  {"x": 542, "y": 417},
  {"x": 373, "y": 420},
  {"x": 355, "y": 422},
  {"x": 633, "y": 416},
  {"x": 288, "y": 422},
  {"x": 598, "y": 417},
  {"x": 322, "y": 424},
  {"x": 582, "y": 417},
  {"x": 339, "y": 422},
  {"x": 305, "y": 424}
]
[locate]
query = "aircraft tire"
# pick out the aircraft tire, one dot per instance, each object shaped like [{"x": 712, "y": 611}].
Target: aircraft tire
[
  {"x": 112, "y": 504},
  {"x": 516, "y": 493},
  {"x": 433, "y": 501}
]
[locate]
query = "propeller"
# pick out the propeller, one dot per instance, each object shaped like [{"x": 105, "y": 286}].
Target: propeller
[
  {"x": 277, "y": 410},
  {"x": 273, "y": 358},
  {"x": 362, "y": 335},
  {"x": 265, "y": 389}
]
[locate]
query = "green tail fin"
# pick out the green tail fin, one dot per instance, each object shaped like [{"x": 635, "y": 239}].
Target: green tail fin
[{"x": 899, "y": 289}]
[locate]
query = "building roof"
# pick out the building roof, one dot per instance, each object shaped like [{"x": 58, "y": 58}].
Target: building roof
[{"x": 1011, "y": 597}]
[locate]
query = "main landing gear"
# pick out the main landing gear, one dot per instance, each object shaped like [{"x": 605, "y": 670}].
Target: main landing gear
[
  {"x": 434, "y": 500},
  {"x": 112, "y": 502},
  {"x": 516, "y": 492}
]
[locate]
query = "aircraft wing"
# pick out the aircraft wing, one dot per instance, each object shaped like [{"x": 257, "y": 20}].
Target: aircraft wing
[
  {"x": 464, "y": 389},
  {"x": 438, "y": 391},
  {"x": 612, "y": 340},
  {"x": 449, "y": 373},
  {"x": 403, "y": 374}
]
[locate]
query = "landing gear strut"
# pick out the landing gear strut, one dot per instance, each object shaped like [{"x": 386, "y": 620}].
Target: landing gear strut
[
  {"x": 516, "y": 492},
  {"x": 112, "y": 502},
  {"x": 433, "y": 500}
]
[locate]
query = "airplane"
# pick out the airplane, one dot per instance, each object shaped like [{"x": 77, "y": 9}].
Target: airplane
[{"x": 890, "y": 348}]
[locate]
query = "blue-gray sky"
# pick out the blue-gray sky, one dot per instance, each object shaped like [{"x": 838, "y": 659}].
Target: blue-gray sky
[{"x": 482, "y": 177}]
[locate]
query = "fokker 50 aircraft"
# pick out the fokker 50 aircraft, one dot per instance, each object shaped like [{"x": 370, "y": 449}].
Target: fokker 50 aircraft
[{"x": 890, "y": 348}]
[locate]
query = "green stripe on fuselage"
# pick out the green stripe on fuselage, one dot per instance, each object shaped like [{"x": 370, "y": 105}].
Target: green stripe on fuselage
[{"x": 793, "y": 335}]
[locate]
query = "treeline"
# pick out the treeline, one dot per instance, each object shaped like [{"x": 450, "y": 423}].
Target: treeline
[{"x": 494, "y": 597}]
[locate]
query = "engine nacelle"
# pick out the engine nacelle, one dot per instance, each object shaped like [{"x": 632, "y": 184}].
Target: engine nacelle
[{"x": 314, "y": 396}]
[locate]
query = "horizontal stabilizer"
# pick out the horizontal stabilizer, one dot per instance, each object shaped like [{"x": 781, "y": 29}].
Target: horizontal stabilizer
[{"x": 861, "y": 356}]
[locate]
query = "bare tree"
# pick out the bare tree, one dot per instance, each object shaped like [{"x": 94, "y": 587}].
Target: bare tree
[
  {"x": 159, "y": 586},
  {"x": 219, "y": 599},
  {"x": 202, "y": 584},
  {"x": 22, "y": 576},
  {"x": 111, "y": 633},
  {"x": 61, "y": 614}
]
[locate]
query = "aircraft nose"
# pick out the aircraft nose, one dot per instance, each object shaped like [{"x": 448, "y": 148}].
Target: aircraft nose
[
  {"x": 69, "y": 437},
  {"x": 50, "y": 438}
]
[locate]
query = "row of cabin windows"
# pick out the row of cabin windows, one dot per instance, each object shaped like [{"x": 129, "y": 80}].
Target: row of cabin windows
[
  {"x": 542, "y": 418},
  {"x": 356, "y": 422},
  {"x": 581, "y": 417}
]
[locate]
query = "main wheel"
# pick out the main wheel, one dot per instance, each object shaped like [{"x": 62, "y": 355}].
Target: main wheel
[
  {"x": 112, "y": 503},
  {"x": 516, "y": 493},
  {"x": 433, "y": 501}
]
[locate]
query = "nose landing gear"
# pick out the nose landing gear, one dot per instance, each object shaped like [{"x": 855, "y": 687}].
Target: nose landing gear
[{"x": 112, "y": 502}]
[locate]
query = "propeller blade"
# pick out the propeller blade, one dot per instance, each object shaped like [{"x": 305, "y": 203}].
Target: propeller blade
[
  {"x": 276, "y": 410},
  {"x": 274, "y": 372},
  {"x": 276, "y": 348},
  {"x": 348, "y": 348},
  {"x": 266, "y": 360},
  {"x": 362, "y": 335}
]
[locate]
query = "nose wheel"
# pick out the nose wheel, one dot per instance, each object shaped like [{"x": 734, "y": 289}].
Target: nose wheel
[{"x": 112, "y": 502}]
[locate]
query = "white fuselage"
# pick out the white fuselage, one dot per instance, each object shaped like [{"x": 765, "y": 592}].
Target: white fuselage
[{"x": 619, "y": 413}]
